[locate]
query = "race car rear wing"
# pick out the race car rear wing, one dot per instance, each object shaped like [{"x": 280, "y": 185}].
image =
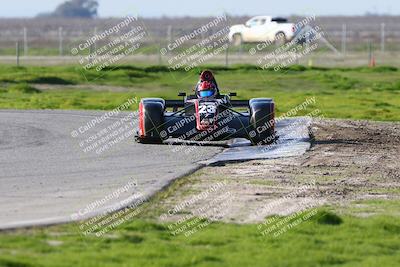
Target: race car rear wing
[
  {"x": 181, "y": 103},
  {"x": 239, "y": 103},
  {"x": 174, "y": 103}
]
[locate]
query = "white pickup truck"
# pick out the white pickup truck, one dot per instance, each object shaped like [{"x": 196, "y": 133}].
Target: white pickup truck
[{"x": 262, "y": 29}]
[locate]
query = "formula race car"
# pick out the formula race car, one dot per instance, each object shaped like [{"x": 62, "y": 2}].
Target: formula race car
[{"x": 206, "y": 116}]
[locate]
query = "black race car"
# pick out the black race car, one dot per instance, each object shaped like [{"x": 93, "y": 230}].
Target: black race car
[{"x": 206, "y": 116}]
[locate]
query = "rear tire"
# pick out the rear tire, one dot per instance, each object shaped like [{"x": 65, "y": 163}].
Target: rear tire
[
  {"x": 151, "y": 119},
  {"x": 262, "y": 121}
]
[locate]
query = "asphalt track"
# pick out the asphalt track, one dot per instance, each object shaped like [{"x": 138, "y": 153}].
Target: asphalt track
[{"x": 58, "y": 166}]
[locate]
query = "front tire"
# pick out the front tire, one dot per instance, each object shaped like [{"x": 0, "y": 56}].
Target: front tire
[{"x": 151, "y": 119}]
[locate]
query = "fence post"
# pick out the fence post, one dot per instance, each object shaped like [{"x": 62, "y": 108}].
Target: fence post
[
  {"x": 371, "y": 56},
  {"x": 383, "y": 37},
  {"x": 227, "y": 56},
  {"x": 344, "y": 35},
  {"x": 159, "y": 53},
  {"x": 17, "y": 52},
  {"x": 169, "y": 34},
  {"x": 307, "y": 39},
  {"x": 90, "y": 54},
  {"x": 60, "y": 41},
  {"x": 369, "y": 52},
  {"x": 95, "y": 41},
  {"x": 25, "y": 42}
]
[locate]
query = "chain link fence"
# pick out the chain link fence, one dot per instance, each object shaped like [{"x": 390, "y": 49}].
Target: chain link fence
[{"x": 358, "y": 39}]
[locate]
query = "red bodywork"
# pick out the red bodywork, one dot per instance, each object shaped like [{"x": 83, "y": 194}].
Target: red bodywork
[
  {"x": 206, "y": 112},
  {"x": 141, "y": 120}
]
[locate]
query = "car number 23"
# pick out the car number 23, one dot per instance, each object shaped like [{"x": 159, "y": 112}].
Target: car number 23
[{"x": 207, "y": 108}]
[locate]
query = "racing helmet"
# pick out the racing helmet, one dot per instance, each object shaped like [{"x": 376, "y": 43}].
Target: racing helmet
[{"x": 206, "y": 89}]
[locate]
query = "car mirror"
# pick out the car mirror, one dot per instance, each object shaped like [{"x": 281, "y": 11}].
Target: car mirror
[
  {"x": 182, "y": 94},
  {"x": 232, "y": 94}
]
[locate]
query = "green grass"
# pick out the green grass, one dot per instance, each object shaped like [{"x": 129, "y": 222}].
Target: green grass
[
  {"x": 373, "y": 206},
  {"x": 323, "y": 240},
  {"x": 359, "y": 93}
]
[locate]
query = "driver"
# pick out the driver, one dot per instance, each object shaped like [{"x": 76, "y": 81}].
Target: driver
[
  {"x": 206, "y": 89},
  {"x": 207, "y": 86}
]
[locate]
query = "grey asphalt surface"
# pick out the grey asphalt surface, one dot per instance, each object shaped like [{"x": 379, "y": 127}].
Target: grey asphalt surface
[
  {"x": 46, "y": 176},
  {"x": 51, "y": 171}
]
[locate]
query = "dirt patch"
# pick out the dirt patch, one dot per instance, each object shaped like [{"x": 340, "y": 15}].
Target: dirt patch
[{"x": 349, "y": 163}]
